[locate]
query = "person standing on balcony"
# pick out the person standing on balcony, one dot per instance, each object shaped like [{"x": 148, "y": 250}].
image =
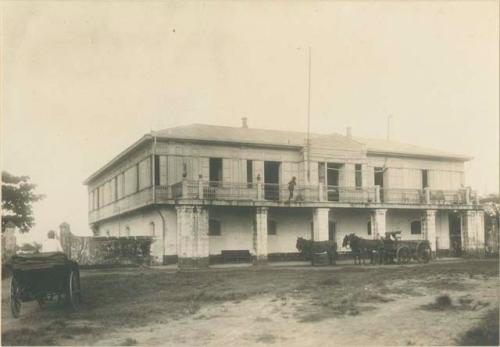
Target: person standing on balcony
[{"x": 291, "y": 187}]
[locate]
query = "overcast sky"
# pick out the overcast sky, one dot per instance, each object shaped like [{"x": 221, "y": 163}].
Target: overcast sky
[{"x": 83, "y": 80}]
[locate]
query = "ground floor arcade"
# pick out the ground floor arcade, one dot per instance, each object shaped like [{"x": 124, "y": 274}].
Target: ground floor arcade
[{"x": 195, "y": 235}]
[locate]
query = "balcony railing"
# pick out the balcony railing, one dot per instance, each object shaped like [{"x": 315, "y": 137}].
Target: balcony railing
[{"x": 216, "y": 190}]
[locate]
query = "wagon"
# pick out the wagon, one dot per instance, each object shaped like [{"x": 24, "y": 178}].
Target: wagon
[
  {"x": 42, "y": 277},
  {"x": 405, "y": 250}
]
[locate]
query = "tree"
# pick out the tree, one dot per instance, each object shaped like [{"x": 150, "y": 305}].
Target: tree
[{"x": 18, "y": 194}]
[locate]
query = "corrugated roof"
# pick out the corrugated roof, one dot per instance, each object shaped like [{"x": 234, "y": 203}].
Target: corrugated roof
[{"x": 378, "y": 146}]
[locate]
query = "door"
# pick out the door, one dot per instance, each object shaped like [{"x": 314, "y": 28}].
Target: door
[
  {"x": 215, "y": 171},
  {"x": 271, "y": 180},
  {"x": 455, "y": 235},
  {"x": 332, "y": 181}
]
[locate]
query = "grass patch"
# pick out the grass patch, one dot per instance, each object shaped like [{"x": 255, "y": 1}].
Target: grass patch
[
  {"x": 485, "y": 334},
  {"x": 129, "y": 342},
  {"x": 266, "y": 338}
]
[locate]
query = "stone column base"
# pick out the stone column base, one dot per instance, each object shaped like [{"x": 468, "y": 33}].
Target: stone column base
[{"x": 261, "y": 260}]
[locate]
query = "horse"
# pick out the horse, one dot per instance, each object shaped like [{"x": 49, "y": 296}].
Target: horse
[
  {"x": 308, "y": 247},
  {"x": 361, "y": 247}
]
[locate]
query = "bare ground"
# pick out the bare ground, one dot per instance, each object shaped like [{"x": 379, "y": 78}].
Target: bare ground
[{"x": 343, "y": 305}]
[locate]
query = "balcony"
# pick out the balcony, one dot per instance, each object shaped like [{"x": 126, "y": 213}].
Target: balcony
[{"x": 220, "y": 191}]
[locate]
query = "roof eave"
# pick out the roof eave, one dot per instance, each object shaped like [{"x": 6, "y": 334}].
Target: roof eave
[{"x": 421, "y": 156}]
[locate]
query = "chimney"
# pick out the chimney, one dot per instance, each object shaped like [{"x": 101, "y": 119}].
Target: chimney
[
  {"x": 244, "y": 123},
  {"x": 349, "y": 132}
]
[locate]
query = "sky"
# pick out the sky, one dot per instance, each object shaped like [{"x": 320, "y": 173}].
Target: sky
[{"x": 82, "y": 80}]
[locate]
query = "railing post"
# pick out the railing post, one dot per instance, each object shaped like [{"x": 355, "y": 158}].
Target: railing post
[
  {"x": 427, "y": 192},
  {"x": 320, "y": 192},
  {"x": 467, "y": 195},
  {"x": 200, "y": 187},
  {"x": 185, "y": 188},
  {"x": 377, "y": 193}
]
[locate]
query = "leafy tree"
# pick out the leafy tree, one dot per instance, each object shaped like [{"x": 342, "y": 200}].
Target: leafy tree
[{"x": 18, "y": 194}]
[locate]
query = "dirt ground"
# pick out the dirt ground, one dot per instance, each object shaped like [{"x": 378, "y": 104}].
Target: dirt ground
[{"x": 434, "y": 304}]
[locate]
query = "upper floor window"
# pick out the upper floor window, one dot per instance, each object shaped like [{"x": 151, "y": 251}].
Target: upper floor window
[
  {"x": 157, "y": 170},
  {"x": 358, "y": 175},
  {"x": 152, "y": 229},
  {"x": 214, "y": 227},
  {"x": 369, "y": 227},
  {"x": 130, "y": 178},
  {"x": 144, "y": 168},
  {"x": 416, "y": 227}
]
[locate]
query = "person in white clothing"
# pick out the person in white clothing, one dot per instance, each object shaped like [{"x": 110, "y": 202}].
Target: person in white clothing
[{"x": 51, "y": 244}]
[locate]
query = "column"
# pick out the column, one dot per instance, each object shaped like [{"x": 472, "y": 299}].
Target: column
[
  {"x": 378, "y": 223},
  {"x": 473, "y": 232},
  {"x": 320, "y": 224},
  {"x": 429, "y": 228},
  {"x": 260, "y": 236},
  {"x": 192, "y": 237}
]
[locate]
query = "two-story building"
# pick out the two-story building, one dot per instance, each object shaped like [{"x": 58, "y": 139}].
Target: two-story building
[{"x": 201, "y": 189}]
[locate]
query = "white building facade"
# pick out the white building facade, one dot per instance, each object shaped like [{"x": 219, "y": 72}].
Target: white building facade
[{"x": 200, "y": 190}]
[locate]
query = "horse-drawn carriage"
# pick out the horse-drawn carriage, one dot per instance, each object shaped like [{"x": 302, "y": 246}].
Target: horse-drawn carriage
[
  {"x": 405, "y": 250},
  {"x": 42, "y": 277},
  {"x": 318, "y": 252},
  {"x": 389, "y": 249}
]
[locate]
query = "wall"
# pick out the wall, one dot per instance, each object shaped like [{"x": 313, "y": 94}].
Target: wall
[
  {"x": 401, "y": 220},
  {"x": 406, "y": 172},
  {"x": 236, "y": 229},
  {"x": 140, "y": 224},
  {"x": 290, "y": 224}
]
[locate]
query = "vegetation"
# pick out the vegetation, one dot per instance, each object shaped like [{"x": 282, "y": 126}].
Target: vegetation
[{"x": 18, "y": 195}]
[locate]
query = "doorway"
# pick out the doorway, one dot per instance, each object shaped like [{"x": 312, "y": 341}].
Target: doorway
[
  {"x": 379, "y": 181},
  {"x": 215, "y": 172},
  {"x": 271, "y": 180},
  {"x": 455, "y": 234},
  {"x": 332, "y": 180},
  {"x": 332, "y": 231}
]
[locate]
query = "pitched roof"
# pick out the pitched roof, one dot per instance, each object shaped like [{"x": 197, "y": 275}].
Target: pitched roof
[
  {"x": 386, "y": 147},
  {"x": 251, "y": 136}
]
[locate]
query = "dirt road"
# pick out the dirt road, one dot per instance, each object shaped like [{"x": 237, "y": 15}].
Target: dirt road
[{"x": 289, "y": 306}]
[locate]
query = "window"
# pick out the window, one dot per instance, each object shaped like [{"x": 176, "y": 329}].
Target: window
[
  {"x": 152, "y": 229},
  {"x": 157, "y": 170},
  {"x": 271, "y": 227},
  {"x": 369, "y": 227},
  {"x": 425, "y": 181},
  {"x": 416, "y": 227},
  {"x": 127, "y": 231},
  {"x": 358, "y": 176},
  {"x": 108, "y": 233},
  {"x": 249, "y": 173},
  {"x": 214, "y": 227}
]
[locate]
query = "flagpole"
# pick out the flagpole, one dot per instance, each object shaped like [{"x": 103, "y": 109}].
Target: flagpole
[{"x": 309, "y": 117}]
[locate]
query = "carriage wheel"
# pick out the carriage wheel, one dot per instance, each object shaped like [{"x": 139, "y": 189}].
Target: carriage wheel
[
  {"x": 15, "y": 297},
  {"x": 74, "y": 294},
  {"x": 403, "y": 255},
  {"x": 424, "y": 253}
]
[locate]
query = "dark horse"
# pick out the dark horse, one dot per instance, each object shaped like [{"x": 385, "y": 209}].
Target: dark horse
[
  {"x": 363, "y": 247},
  {"x": 308, "y": 247}
]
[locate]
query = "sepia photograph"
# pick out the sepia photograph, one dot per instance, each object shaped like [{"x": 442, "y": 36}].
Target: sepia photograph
[{"x": 250, "y": 173}]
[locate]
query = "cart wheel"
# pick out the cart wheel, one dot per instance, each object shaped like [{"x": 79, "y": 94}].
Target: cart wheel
[
  {"x": 403, "y": 255},
  {"x": 424, "y": 253},
  {"x": 74, "y": 294},
  {"x": 15, "y": 299}
]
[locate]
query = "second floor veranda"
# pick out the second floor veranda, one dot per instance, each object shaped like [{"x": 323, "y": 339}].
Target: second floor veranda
[{"x": 273, "y": 192}]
